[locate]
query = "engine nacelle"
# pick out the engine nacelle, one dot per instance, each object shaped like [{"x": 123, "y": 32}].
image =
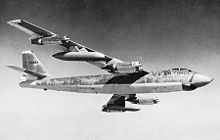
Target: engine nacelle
[
  {"x": 80, "y": 56},
  {"x": 124, "y": 67},
  {"x": 47, "y": 40},
  {"x": 148, "y": 101},
  {"x": 108, "y": 108},
  {"x": 37, "y": 41},
  {"x": 143, "y": 101}
]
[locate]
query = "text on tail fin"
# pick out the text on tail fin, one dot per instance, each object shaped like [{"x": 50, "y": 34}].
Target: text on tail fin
[{"x": 31, "y": 63}]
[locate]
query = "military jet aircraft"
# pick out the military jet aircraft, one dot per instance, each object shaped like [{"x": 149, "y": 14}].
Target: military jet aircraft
[{"x": 124, "y": 81}]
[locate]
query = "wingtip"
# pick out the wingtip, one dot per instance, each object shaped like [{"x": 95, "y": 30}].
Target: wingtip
[{"x": 15, "y": 21}]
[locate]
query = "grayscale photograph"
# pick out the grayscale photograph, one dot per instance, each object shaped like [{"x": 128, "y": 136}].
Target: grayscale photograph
[{"x": 110, "y": 69}]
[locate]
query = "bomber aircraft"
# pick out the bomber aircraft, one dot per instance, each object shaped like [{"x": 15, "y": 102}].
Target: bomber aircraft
[{"x": 124, "y": 81}]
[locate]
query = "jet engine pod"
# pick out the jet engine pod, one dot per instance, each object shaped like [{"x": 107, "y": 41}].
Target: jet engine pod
[
  {"x": 37, "y": 41},
  {"x": 47, "y": 40},
  {"x": 124, "y": 67},
  {"x": 150, "y": 101},
  {"x": 113, "y": 108},
  {"x": 80, "y": 56},
  {"x": 143, "y": 101}
]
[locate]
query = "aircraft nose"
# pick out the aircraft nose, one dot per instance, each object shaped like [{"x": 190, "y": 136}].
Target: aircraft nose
[{"x": 201, "y": 80}]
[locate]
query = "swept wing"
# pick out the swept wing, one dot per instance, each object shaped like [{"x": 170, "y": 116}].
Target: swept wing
[{"x": 73, "y": 51}]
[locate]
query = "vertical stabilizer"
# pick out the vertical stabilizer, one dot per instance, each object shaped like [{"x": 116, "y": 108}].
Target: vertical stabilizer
[{"x": 31, "y": 64}]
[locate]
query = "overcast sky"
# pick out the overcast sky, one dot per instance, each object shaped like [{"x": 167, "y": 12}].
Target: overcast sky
[{"x": 161, "y": 34}]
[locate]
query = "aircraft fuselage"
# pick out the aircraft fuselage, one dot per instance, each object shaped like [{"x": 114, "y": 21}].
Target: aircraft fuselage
[{"x": 153, "y": 82}]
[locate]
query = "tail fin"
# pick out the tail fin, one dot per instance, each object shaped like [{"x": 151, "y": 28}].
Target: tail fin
[
  {"x": 30, "y": 62},
  {"x": 32, "y": 67}
]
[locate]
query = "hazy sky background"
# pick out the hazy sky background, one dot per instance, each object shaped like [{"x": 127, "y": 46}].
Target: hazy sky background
[{"x": 161, "y": 34}]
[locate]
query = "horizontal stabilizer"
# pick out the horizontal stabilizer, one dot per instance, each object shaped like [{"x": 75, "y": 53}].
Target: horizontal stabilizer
[
  {"x": 16, "y": 68},
  {"x": 36, "y": 74}
]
